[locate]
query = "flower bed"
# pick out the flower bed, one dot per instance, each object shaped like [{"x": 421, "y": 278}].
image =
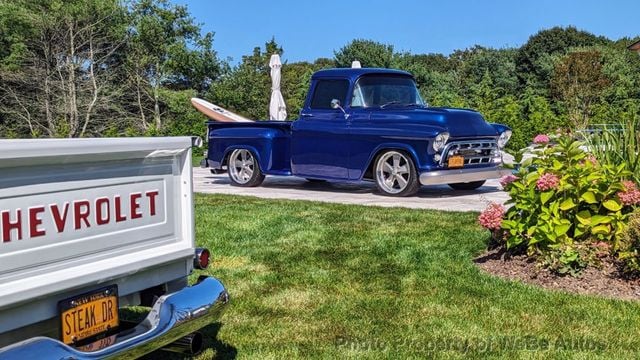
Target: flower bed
[{"x": 568, "y": 211}]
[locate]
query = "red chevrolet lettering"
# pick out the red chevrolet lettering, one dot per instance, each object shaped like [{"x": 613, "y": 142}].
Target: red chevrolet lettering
[
  {"x": 103, "y": 215},
  {"x": 119, "y": 215},
  {"x": 35, "y": 221},
  {"x": 8, "y": 225},
  {"x": 40, "y": 220},
  {"x": 152, "y": 201},
  {"x": 59, "y": 218},
  {"x": 81, "y": 211},
  {"x": 134, "y": 205}
]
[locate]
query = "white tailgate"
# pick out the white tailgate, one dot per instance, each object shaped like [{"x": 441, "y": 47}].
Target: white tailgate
[{"x": 81, "y": 211}]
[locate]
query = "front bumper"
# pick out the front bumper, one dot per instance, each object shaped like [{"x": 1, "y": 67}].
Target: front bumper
[
  {"x": 172, "y": 317},
  {"x": 462, "y": 175}
]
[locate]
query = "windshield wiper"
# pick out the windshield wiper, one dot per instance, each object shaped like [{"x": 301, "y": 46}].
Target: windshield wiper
[
  {"x": 398, "y": 103},
  {"x": 395, "y": 102}
]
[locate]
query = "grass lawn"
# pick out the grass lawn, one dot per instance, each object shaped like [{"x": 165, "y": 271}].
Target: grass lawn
[{"x": 313, "y": 280}]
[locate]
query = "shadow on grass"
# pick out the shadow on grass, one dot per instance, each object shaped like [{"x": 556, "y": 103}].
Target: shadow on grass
[{"x": 221, "y": 349}]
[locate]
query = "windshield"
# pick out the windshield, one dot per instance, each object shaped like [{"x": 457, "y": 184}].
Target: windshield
[{"x": 383, "y": 91}]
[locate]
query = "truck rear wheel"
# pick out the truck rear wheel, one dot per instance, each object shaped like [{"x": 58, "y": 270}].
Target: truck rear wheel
[
  {"x": 467, "y": 186},
  {"x": 243, "y": 169},
  {"x": 395, "y": 174}
]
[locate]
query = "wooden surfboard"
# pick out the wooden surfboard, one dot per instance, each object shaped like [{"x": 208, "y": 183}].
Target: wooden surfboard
[{"x": 216, "y": 112}]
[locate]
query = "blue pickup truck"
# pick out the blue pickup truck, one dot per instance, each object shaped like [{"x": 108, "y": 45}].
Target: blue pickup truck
[{"x": 363, "y": 124}]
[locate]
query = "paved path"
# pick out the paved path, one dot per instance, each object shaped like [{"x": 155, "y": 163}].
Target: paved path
[{"x": 439, "y": 197}]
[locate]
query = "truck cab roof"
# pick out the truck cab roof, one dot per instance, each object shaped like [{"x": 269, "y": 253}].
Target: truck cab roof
[{"x": 353, "y": 74}]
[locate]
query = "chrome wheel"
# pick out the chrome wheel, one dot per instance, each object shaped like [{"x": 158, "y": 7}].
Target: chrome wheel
[
  {"x": 242, "y": 166},
  {"x": 395, "y": 174}
]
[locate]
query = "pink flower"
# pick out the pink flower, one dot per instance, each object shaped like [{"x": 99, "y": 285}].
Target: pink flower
[
  {"x": 507, "y": 179},
  {"x": 547, "y": 181},
  {"x": 630, "y": 195},
  {"x": 629, "y": 185},
  {"x": 491, "y": 217},
  {"x": 592, "y": 159},
  {"x": 541, "y": 139}
]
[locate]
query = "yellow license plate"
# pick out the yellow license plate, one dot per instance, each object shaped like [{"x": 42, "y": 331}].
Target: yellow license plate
[
  {"x": 89, "y": 315},
  {"x": 455, "y": 161}
]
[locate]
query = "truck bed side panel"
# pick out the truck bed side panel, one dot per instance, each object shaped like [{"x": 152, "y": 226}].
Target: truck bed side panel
[{"x": 269, "y": 140}]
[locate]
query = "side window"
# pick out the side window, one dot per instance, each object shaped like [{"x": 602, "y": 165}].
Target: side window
[{"x": 327, "y": 90}]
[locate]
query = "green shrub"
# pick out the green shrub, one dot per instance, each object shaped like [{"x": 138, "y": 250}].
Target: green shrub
[
  {"x": 629, "y": 245},
  {"x": 617, "y": 144},
  {"x": 564, "y": 203}
]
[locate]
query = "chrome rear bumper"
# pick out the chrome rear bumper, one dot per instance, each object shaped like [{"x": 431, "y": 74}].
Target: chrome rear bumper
[
  {"x": 172, "y": 317},
  {"x": 461, "y": 175}
]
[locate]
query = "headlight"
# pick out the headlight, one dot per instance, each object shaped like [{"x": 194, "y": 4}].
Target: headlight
[
  {"x": 440, "y": 141},
  {"x": 504, "y": 138}
]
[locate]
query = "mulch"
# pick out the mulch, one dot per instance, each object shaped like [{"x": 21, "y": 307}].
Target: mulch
[{"x": 606, "y": 280}]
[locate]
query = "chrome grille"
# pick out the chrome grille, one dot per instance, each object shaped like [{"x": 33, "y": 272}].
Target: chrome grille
[{"x": 474, "y": 152}]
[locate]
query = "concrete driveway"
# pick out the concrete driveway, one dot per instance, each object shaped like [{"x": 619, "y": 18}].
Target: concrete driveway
[{"x": 439, "y": 197}]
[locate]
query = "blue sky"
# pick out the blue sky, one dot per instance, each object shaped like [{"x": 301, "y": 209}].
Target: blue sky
[{"x": 311, "y": 29}]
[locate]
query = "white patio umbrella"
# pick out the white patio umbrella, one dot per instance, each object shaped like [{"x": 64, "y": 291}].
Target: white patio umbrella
[{"x": 277, "y": 107}]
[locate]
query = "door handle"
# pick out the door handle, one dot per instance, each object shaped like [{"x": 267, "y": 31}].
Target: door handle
[{"x": 307, "y": 115}]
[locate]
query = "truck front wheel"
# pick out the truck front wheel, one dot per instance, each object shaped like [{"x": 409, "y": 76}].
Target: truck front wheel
[
  {"x": 244, "y": 169},
  {"x": 396, "y": 174}
]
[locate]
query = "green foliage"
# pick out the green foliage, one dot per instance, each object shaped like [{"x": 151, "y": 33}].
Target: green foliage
[
  {"x": 181, "y": 117},
  {"x": 533, "y": 57},
  {"x": 100, "y": 66},
  {"x": 246, "y": 89},
  {"x": 538, "y": 116},
  {"x": 617, "y": 144},
  {"x": 368, "y": 52},
  {"x": 479, "y": 62},
  {"x": 562, "y": 200},
  {"x": 15, "y": 30},
  {"x": 167, "y": 47},
  {"x": 568, "y": 259},
  {"x": 166, "y": 50},
  {"x": 578, "y": 81},
  {"x": 629, "y": 245},
  {"x": 144, "y": 50}
]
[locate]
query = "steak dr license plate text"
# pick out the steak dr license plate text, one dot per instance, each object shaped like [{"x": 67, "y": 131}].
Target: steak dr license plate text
[{"x": 88, "y": 315}]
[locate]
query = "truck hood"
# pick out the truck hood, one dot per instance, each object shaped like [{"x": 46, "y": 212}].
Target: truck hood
[{"x": 458, "y": 122}]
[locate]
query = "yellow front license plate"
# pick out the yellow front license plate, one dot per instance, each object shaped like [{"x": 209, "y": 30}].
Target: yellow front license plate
[
  {"x": 88, "y": 316},
  {"x": 455, "y": 161}
]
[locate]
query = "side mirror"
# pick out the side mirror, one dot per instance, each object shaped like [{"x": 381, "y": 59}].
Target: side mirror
[{"x": 335, "y": 104}]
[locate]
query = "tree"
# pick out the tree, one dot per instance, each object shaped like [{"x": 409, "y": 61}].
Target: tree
[
  {"x": 15, "y": 29},
  {"x": 538, "y": 116},
  {"x": 531, "y": 57},
  {"x": 578, "y": 81},
  {"x": 246, "y": 88},
  {"x": 478, "y": 62},
  {"x": 484, "y": 95},
  {"x": 369, "y": 53},
  {"x": 442, "y": 89},
  {"x": 166, "y": 49},
  {"x": 508, "y": 111},
  {"x": 296, "y": 78},
  {"x": 70, "y": 47}
]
